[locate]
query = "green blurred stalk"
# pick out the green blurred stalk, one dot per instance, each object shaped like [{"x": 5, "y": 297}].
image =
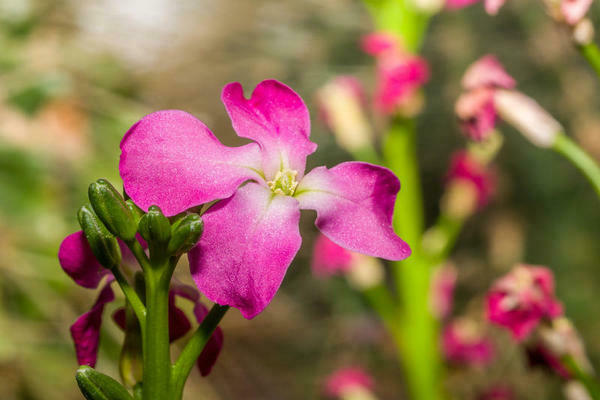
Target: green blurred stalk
[
  {"x": 591, "y": 53},
  {"x": 579, "y": 158}
]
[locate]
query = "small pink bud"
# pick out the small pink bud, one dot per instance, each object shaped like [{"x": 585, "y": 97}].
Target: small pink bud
[
  {"x": 346, "y": 381},
  {"x": 463, "y": 342},
  {"x": 528, "y": 117}
]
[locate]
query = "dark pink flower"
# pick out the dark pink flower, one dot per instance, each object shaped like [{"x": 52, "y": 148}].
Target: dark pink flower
[
  {"x": 443, "y": 283},
  {"x": 465, "y": 168},
  {"x": 399, "y": 73},
  {"x": 171, "y": 159},
  {"x": 475, "y": 108},
  {"x": 464, "y": 342},
  {"x": 522, "y": 298},
  {"x": 347, "y": 380}
]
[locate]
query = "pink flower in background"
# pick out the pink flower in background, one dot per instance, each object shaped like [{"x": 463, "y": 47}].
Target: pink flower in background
[
  {"x": 78, "y": 261},
  {"x": 522, "y": 298},
  {"x": 475, "y": 108},
  {"x": 497, "y": 392},
  {"x": 491, "y": 6},
  {"x": 347, "y": 380},
  {"x": 329, "y": 258},
  {"x": 171, "y": 159},
  {"x": 465, "y": 168},
  {"x": 442, "y": 290},
  {"x": 463, "y": 342},
  {"x": 399, "y": 73},
  {"x": 573, "y": 11}
]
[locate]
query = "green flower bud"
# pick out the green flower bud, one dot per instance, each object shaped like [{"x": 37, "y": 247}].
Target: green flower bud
[
  {"x": 112, "y": 210},
  {"x": 135, "y": 211},
  {"x": 97, "y": 386},
  {"x": 103, "y": 243},
  {"x": 155, "y": 227},
  {"x": 185, "y": 233}
]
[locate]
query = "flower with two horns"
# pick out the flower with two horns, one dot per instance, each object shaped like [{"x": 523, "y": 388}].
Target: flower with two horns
[{"x": 171, "y": 159}]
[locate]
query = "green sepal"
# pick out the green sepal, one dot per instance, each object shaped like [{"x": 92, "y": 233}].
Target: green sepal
[
  {"x": 97, "y": 386},
  {"x": 185, "y": 233},
  {"x": 154, "y": 227},
  {"x": 104, "y": 244},
  {"x": 112, "y": 210}
]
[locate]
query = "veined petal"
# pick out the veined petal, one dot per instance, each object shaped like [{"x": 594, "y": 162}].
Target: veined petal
[
  {"x": 212, "y": 349},
  {"x": 171, "y": 159},
  {"x": 354, "y": 203},
  {"x": 277, "y": 119},
  {"x": 78, "y": 261},
  {"x": 248, "y": 243},
  {"x": 86, "y": 330}
]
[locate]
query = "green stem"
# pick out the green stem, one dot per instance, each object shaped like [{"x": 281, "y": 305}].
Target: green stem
[
  {"x": 586, "y": 164},
  {"x": 418, "y": 340},
  {"x": 136, "y": 304},
  {"x": 591, "y": 53},
  {"x": 157, "y": 357},
  {"x": 192, "y": 350},
  {"x": 439, "y": 240},
  {"x": 586, "y": 380}
]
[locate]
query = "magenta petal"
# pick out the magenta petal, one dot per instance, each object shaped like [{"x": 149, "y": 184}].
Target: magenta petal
[
  {"x": 78, "y": 261},
  {"x": 179, "y": 324},
  {"x": 212, "y": 349},
  {"x": 86, "y": 330},
  {"x": 354, "y": 203},
  {"x": 171, "y": 159},
  {"x": 277, "y": 119},
  {"x": 329, "y": 258},
  {"x": 120, "y": 318},
  {"x": 248, "y": 243}
]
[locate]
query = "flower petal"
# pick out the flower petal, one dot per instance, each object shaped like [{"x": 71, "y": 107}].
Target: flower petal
[
  {"x": 171, "y": 159},
  {"x": 277, "y": 119},
  {"x": 86, "y": 330},
  {"x": 329, "y": 258},
  {"x": 354, "y": 203},
  {"x": 179, "y": 324},
  {"x": 248, "y": 243},
  {"x": 212, "y": 349},
  {"x": 487, "y": 72},
  {"x": 78, "y": 261}
]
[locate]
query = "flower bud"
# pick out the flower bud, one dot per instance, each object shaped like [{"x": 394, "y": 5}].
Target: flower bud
[
  {"x": 135, "y": 211},
  {"x": 583, "y": 32},
  {"x": 528, "y": 117},
  {"x": 103, "y": 243},
  {"x": 155, "y": 227},
  {"x": 185, "y": 233},
  {"x": 112, "y": 210},
  {"x": 97, "y": 386}
]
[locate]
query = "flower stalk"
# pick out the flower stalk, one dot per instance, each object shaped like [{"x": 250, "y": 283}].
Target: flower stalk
[{"x": 579, "y": 158}]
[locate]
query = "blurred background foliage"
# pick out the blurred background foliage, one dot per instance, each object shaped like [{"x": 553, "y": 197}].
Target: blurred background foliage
[{"x": 74, "y": 75}]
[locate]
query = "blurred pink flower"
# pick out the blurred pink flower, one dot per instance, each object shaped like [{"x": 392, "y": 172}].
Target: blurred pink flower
[
  {"x": 573, "y": 11},
  {"x": 329, "y": 258},
  {"x": 491, "y": 6},
  {"x": 522, "y": 298},
  {"x": 475, "y": 108},
  {"x": 399, "y": 73},
  {"x": 497, "y": 392},
  {"x": 540, "y": 356},
  {"x": 346, "y": 380},
  {"x": 464, "y": 342},
  {"x": 465, "y": 168},
  {"x": 251, "y": 237},
  {"x": 442, "y": 290}
]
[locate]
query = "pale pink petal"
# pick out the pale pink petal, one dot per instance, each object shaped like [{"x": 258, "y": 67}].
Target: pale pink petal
[
  {"x": 86, "y": 330},
  {"x": 456, "y": 4},
  {"x": 78, "y": 261},
  {"x": 477, "y": 113},
  {"x": 487, "y": 72},
  {"x": 277, "y": 119},
  {"x": 171, "y": 159},
  {"x": 329, "y": 258},
  {"x": 492, "y": 6},
  {"x": 574, "y": 10},
  {"x": 248, "y": 243},
  {"x": 212, "y": 349},
  {"x": 379, "y": 42},
  {"x": 354, "y": 203},
  {"x": 346, "y": 379}
]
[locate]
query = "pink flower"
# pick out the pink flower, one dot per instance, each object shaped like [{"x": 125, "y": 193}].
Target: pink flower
[
  {"x": 329, "y": 258},
  {"x": 498, "y": 392},
  {"x": 171, "y": 159},
  {"x": 347, "y": 380},
  {"x": 522, "y": 298},
  {"x": 491, "y": 6},
  {"x": 77, "y": 260},
  {"x": 465, "y": 168},
  {"x": 463, "y": 342},
  {"x": 573, "y": 11},
  {"x": 475, "y": 108},
  {"x": 399, "y": 74},
  {"x": 442, "y": 290}
]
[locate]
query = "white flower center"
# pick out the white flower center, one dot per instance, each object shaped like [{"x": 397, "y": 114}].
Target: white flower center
[{"x": 284, "y": 182}]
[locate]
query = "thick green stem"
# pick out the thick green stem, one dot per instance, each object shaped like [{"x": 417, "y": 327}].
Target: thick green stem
[
  {"x": 586, "y": 164},
  {"x": 418, "y": 341},
  {"x": 182, "y": 368},
  {"x": 157, "y": 357},
  {"x": 591, "y": 53}
]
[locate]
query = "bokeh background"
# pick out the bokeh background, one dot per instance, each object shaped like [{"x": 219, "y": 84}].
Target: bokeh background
[{"x": 74, "y": 75}]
